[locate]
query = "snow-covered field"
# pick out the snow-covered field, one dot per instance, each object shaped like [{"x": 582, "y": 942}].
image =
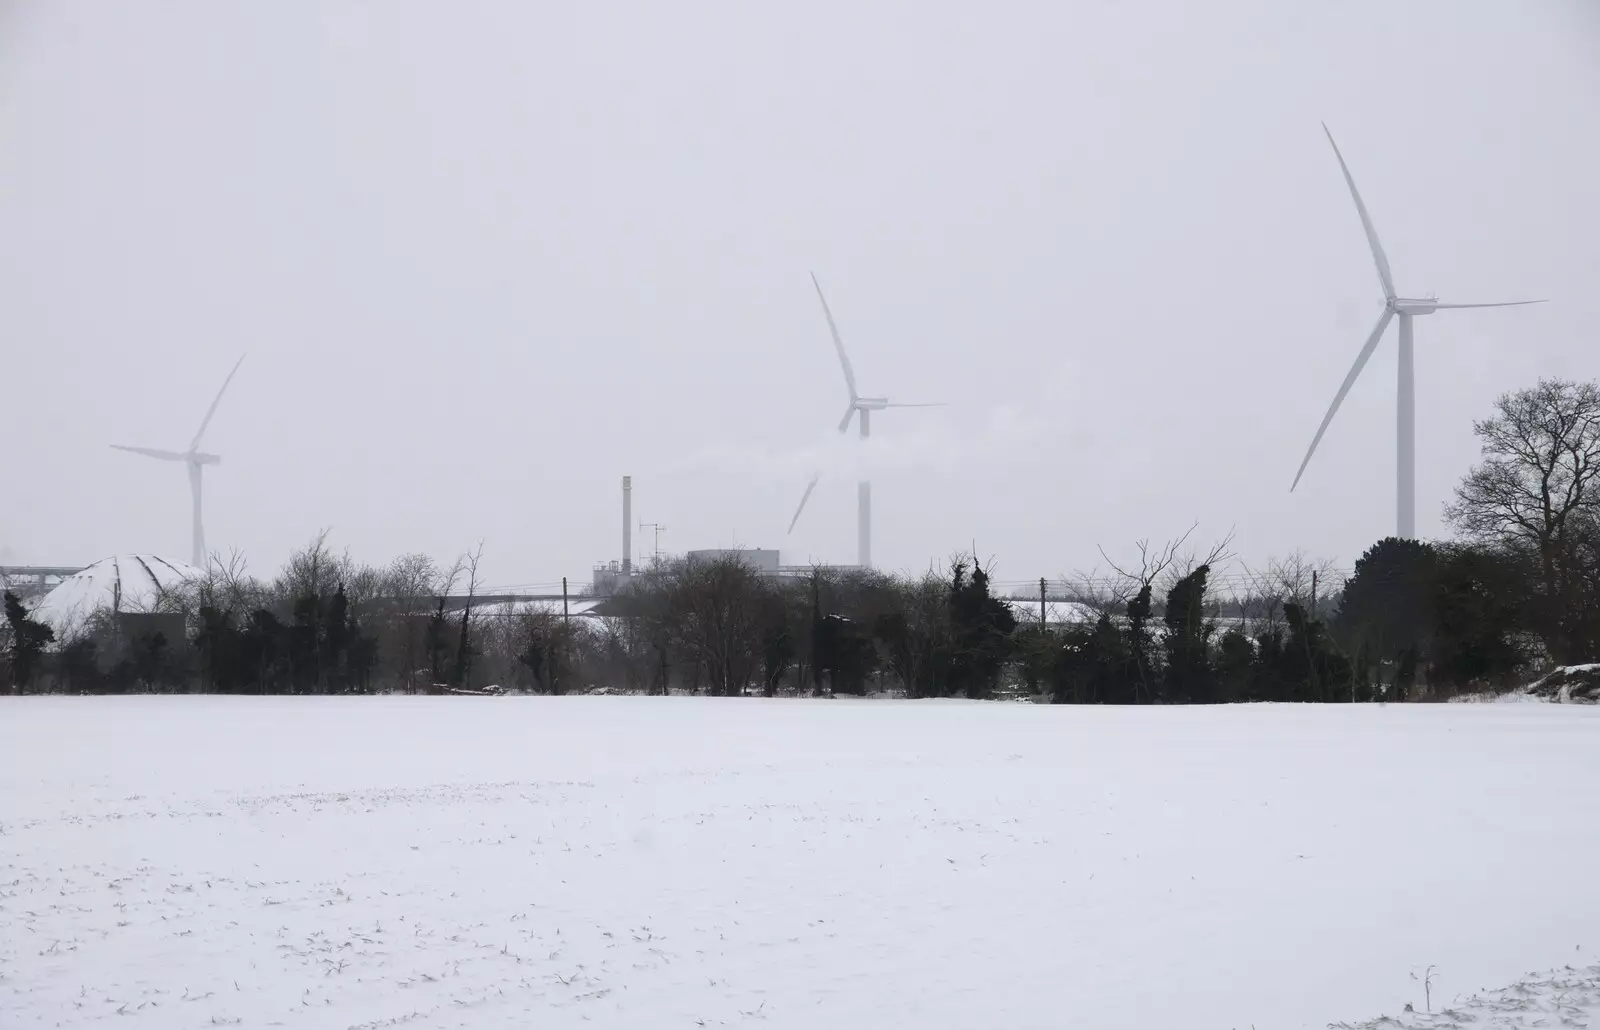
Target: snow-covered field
[{"x": 170, "y": 862}]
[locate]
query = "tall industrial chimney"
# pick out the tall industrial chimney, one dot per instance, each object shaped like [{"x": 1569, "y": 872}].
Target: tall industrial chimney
[{"x": 627, "y": 525}]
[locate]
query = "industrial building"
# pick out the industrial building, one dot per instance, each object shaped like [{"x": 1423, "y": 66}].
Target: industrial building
[
  {"x": 31, "y": 581},
  {"x": 612, "y": 576}
]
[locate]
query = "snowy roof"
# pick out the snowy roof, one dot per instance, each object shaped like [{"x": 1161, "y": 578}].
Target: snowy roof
[
  {"x": 126, "y": 582},
  {"x": 508, "y": 609}
]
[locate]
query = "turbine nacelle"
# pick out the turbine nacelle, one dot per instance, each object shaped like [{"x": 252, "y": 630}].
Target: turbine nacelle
[
  {"x": 195, "y": 458},
  {"x": 871, "y": 403},
  {"x": 1414, "y": 305}
]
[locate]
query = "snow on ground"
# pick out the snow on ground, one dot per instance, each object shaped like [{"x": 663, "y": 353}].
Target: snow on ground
[
  {"x": 1567, "y": 684},
  {"x": 1520, "y": 696},
  {"x": 650, "y": 862},
  {"x": 1568, "y": 997}
]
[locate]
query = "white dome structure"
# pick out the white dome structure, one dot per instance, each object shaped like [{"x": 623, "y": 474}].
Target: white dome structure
[{"x": 124, "y": 583}]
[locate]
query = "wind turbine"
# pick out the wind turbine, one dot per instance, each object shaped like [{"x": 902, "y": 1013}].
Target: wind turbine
[
  {"x": 196, "y": 460},
  {"x": 1406, "y": 400},
  {"x": 864, "y": 406}
]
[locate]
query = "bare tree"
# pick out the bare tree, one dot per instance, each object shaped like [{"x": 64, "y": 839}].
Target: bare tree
[
  {"x": 623, "y": 652},
  {"x": 1131, "y": 597},
  {"x": 228, "y": 585},
  {"x": 1297, "y": 579},
  {"x": 363, "y": 584},
  {"x": 1216, "y": 559},
  {"x": 463, "y": 668},
  {"x": 1138, "y": 590},
  {"x": 536, "y": 646},
  {"x": 538, "y": 630},
  {"x": 1153, "y": 563},
  {"x": 410, "y": 584},
  {"x": 1535, "y": 491},
  {"x": 314, "y": 570},
  {"x": 918, "y": 635},
  {"x": 715, "y": 605},
  {"x": 645, "y": 629}
]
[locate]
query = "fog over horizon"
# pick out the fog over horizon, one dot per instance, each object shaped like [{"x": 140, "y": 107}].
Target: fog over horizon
[{"x": 487, "y": 258}]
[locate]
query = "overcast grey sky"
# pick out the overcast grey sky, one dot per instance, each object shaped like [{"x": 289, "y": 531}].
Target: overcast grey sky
[{"x": 487, "y": 257}]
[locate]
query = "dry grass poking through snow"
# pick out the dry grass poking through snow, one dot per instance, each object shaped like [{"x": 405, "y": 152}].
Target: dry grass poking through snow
[{"x": 1568, "y": 998}]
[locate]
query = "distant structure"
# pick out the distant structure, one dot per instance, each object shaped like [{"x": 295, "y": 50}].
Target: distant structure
[
  {"x": 1406, "y": 397},
  {"x": 863, "y": 406},
  {"x": 131, "y": 587},
  {"x": 610, "y": 577},
  {"x": 30, "y": 581},
  {"x": 766, "y": 563},
  {"x": 196, "y": 461},
  {"x": 627, "y": 525}
]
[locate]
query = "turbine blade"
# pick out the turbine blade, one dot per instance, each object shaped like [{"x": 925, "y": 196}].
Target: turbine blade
[
  {"x": 933, "y": 404},
  {"x": 1501, "y": 304},
  {"x": 213, "y": 409},
  {"x": 849, "y": 413},
  {"x": 1378, "y": 256},
  {"x": 838, "y": 343},
  {"x": 1344, "y": 388},
  {"x": 150, "y": 452},
  {"x": 803, "y": 499}
]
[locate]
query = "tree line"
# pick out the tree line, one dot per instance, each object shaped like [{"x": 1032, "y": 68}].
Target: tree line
[{"x": 1516, "y": 590}]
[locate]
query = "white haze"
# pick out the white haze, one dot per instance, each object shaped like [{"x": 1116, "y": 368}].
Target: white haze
[{"x": 489, "y": 257}]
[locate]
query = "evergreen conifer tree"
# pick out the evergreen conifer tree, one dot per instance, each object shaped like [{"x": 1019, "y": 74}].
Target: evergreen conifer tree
[{"x": 29, "y": 638}]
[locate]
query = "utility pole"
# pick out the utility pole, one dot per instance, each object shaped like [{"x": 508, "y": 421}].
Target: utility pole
[
  {"x": 658, "y": 528},
  {"x": 1313, "y": 593},
  {"x": 816, "y": 632},
  {"x": 1041, "y": 604},
  {"x": 566, "y": 635}
]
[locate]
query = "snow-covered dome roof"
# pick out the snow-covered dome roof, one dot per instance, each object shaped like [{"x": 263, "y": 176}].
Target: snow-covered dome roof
[{"x": 126, "y": 582}]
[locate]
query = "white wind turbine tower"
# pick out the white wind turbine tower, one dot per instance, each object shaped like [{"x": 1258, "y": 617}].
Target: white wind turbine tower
[
  {"x": 196, "y": 460},
  {"x": 1406, "y": 401},
  {"x": 864, "y": 406}
]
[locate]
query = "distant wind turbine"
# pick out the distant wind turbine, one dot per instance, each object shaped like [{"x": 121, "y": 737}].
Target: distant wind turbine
[
  {"x": 1406, "y": 400},
  {"x": 196, "y": 461},
  {"x": 865, "y": 406}
]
